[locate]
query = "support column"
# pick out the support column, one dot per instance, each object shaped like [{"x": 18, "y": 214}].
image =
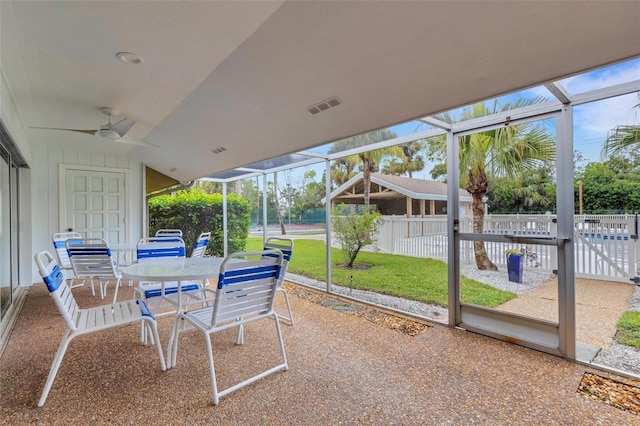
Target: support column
[
  {"x": 422, "y": 214},
  {"x": 264, "y": 209},
  {"x": 225, "y": 233},
  {"x": 566, "y": 261},
  {"x": 327, "y": 183},
  {"x": 453, "y": 228}
]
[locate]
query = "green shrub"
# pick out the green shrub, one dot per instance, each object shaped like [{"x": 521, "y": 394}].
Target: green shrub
[
  {"x": 194, "y": 211},
  {"x": 354, "y": 231},
  {"x": 629, "y": 329}
]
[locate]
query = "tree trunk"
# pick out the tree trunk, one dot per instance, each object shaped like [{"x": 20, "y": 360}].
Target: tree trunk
[
  {"x": 278, "y": 211},
  {"x": 353, "y": 257},
  {"x": 366, "y": 181},
  {"x": 477, "y": 187}
]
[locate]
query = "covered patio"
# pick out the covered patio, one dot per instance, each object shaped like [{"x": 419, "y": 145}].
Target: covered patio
[
  {"x": 344, "y": 369},
  {"x": 235, "y": 90}
]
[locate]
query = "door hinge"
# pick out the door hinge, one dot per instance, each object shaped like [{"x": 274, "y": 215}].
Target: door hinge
[{"x": 635, "y": 280}]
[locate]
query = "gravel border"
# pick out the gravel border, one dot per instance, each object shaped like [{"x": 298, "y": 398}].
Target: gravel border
[{"x": 619, "y": 356}]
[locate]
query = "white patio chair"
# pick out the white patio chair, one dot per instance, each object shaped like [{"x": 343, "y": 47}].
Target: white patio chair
[
  {"x": 59, "y": 239},
  {"x": 169, "y": 233},
  {"x": 200, "y": 247},
  {"x": 158, "y": 248},
  {"x": 84, "y": 321},
  {"x": 201, "y": 244},
  {"x": 245, "y": 294},
  {"x": 91, "y": 259},
  {"x": 285, "y": 245}
]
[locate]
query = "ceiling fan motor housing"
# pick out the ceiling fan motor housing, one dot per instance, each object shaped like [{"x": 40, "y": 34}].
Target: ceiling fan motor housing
[{"x": 108, "y": 134}]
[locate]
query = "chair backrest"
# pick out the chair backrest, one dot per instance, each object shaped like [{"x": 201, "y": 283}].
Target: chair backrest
[
  {"x": 59, "y": 239},
  {"x": 285, "y": 245},
  {"x": 169, "y": 233},
  {"x": 246, "y": 287},
  {"x": 160, "y": 247},
  {"x": 90, "y": 257},
  {"x": 201, "y": 245},
  {"x": 58, "y": 288}
]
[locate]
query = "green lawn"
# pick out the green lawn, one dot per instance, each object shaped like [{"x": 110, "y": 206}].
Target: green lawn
[
  {"x": 424, "y": 280},
  {"x": 629, "y": 329}
]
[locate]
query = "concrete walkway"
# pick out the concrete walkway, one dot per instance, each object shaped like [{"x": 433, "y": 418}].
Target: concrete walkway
[{"x": 599, "y": 305}]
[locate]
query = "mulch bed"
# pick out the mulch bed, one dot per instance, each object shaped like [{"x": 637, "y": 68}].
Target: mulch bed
[
  {"x": 383, "y": 318},
  {"x": 612, "y": 392}
]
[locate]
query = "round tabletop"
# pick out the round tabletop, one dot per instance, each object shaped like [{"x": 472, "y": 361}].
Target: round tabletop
[{"x": 174, "y": 269}]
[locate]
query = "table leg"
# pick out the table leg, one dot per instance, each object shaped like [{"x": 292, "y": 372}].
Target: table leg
[{"x": 172, "y": 347}]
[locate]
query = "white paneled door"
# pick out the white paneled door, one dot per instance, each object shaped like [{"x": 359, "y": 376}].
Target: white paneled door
[{"x": 95, "y": 204}]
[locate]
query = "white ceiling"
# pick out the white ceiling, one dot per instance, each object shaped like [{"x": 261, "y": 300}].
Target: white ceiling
[{"x": 242, "y": 74}]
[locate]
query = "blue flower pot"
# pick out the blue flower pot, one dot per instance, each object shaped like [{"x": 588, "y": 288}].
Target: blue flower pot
[{"x": 515, "y": 266}]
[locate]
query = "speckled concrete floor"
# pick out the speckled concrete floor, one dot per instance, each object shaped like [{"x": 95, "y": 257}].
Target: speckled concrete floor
[{"x": 343, "y": 370}]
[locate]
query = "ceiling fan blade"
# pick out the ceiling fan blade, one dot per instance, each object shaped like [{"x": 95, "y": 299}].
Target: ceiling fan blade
[
  {"x": 123, "y": 126},
  {"x": 133, "y": 141},
  {"x": 88, "y": 132}
]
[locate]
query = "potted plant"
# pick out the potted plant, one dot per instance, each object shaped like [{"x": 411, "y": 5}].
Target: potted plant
[{"x": 515, "y": 265}]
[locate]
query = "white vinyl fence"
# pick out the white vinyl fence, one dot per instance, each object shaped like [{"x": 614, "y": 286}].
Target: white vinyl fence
[{"x": 605, "y": 245}]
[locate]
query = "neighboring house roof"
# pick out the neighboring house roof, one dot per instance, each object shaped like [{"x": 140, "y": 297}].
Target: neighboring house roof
[{"x": 417, "y": 189}]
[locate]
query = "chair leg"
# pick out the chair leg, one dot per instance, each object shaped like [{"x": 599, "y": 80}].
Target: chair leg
[
  {"x": 115, "y": 295},
  {"x": 281, "y": 340},
  {"x": 145, "y": 337},
  {"x": 286, "y": 298},
  {"x": 240, "y": 337},
  {"x": 154, "y": 330},
  {"x": 214, "y": 385},
  {"x": 57, "y": 360}
]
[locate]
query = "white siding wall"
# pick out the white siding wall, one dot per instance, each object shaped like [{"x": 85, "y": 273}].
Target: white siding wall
[
  {"x": 45, "y": 188},
  {"x": 13, "y": 125}
]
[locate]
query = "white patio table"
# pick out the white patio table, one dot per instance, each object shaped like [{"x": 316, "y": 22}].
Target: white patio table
[{"x": 172, "y": 270}]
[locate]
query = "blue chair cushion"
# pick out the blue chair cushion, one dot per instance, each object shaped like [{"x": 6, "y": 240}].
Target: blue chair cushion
[{"x": 171, "y": 289}]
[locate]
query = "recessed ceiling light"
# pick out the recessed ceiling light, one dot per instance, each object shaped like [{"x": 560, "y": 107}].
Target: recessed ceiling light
[{"x": 130, "y": 58}]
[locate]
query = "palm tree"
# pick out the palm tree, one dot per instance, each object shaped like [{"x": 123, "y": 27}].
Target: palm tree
[
  {"x": 621, "y": 138},
  {"x": 410, "y": 162},
  {"x": 343, "y": 169},
  {"x": 369, "y": 161},
  {"x": 504, "y": 152}
]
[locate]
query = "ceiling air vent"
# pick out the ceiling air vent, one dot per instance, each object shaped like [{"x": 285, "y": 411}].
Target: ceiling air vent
[
  {"x": 218, "y": 150},
  {"x": 324, "y": 105}
]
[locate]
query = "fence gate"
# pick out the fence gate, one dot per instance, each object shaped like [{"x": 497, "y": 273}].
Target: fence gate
[{"x": 606, "y": 247}]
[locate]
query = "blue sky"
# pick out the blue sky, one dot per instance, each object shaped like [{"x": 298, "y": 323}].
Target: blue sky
[{"x": 592, "y": 121}]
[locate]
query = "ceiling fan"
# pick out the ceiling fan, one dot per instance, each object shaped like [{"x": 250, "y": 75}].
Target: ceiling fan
[{"x": 114, "y": 132}]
